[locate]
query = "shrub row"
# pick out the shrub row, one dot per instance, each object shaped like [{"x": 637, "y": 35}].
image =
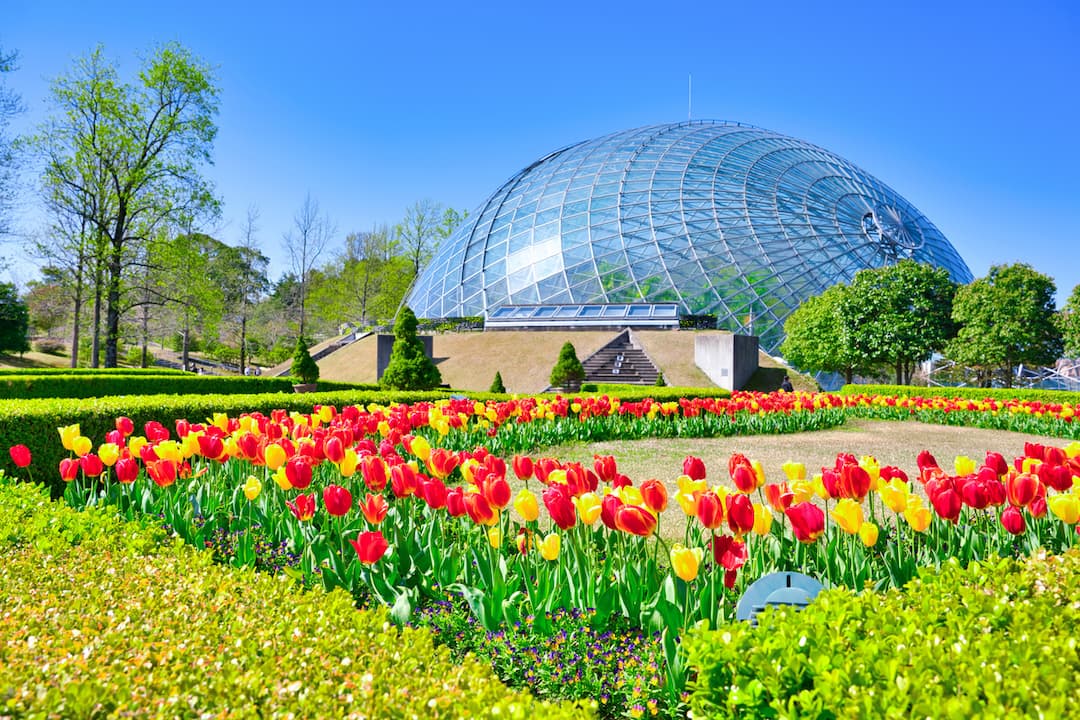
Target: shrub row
[
  {"x": 102, "y": 619},
  {"x": 660, "y": 394},
  {"x": 34, "y": 422},
  {"x": 967, "y": 393},
  {"x": 92, "y": 371},
  {"x": 129, "y": 383},
  {"x": 996, "y": 639}
]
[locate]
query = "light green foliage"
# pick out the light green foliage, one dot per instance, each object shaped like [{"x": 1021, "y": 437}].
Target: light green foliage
[
  {"x": 816, "y": 341},
  {"x": 997, "y": 639},
  {"x": 105, "y": 619},
  {"x": 14, "y": 320},
  {"x": 1005, "y": 319},
  {"x": 568, "y": 371},
  {"x": 898, "y": 315},
  {"x": 1069, "y": 320},
  {"x": 410, "y": 368},
  {"x": 304, "y": 368}
]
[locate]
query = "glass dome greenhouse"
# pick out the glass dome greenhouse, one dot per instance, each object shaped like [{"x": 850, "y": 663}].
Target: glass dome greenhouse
[{"x": 722, "y": 218}]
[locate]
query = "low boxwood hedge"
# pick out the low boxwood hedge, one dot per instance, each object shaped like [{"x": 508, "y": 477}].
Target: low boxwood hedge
[
  {"x": 660, "y": 394},
  {"x": 81, "y": 385},
  {"x": 92, "y": 371},
  {"x": 994, "y": 640},
  {"x": 967, "y": 393},
  {"x": 34, "y": 423},
  {"x": 106, "y": 619}
]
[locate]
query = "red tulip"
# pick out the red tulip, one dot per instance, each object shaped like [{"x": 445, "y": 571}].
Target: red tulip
[
  {"x": 126, "y": 469},
  {"x": 557, "y": 501},
  {"x": 745, "y": 478},
  {"x": 334, "y": 449},
  {"x": 1021, "y": 488},
  {"x": 975, "y": 494},
  {"x": 609, "y": 506},
  {"x": 370, "y": 546},
  {"x": 210, "y": 446},
  {"x": 1058, "y": 477},
  {"x": 69, "y": 469},
  {"x": 303, "y": 507},
  {"x": 779, "y": 496},
  {"x": 831, "y": 480},
  {"x": 373, "y": 468},
  {"x": 403, "y": 480},
  {"x": 926, "y": 460},
  {"x": 1037, "y": 508},
  {"x": 728, "y": 552},
  {"x": 948, "y": 504},
  {"x": 710, "y": 510},
  {"x": 497, "y": 492},
  {"x": 996, "y": 461},
  {"x": 455, "y": 502},
  {"x": 479, "y": 509},
  {"x": 124, "y": 426},
  {"x": 249, "y": 446},
  {"x": 740, "y": 514},
  {"x": 298, "y": 471},
  {"x": 442, "y": 462},
  {"x": 807, "y": 521},
  {"x": 655, "y": 495},
  {"x": 20, "y": 455},
  {"x": 91, "y": 465},
  {"x": 337, "y": 500},
  {"x": 523, "y": 467},
  {"x": 162, "y": 472},
  {"x": 155, "y": 432},
  {"x": 605, "y": 467},
  {"x": 635, "y": 520},
  {"x": 694, "y": 467},
  {"x": 736, "y": 460},
  {"x": 434, "y": 493},
  {"x": 1012, "y": 519},
  {"x": 374, "y": 508},
  {"x": 888, "y": 472},
  {"x": 854, "y": 482}
]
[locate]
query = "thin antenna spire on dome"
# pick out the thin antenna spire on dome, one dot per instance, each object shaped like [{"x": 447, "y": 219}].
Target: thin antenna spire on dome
[{"x": 689, "y": 96}]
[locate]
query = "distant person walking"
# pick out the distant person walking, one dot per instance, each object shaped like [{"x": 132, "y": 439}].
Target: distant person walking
[{"x": 785, "y": 384}]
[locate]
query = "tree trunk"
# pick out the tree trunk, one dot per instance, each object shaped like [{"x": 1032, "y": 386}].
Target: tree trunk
[
  {"x": 899, "y": 372},
  {"x": 243, "y": 343},
  {"x": 848, "y": 374},
  {"x": 95, "y": 345},
  {"x": 112, "y": 309},
  {"x": 78, "y": 312}
]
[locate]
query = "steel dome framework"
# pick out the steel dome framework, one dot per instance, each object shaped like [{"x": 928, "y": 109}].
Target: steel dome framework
[{"x": 719, "y": 217}]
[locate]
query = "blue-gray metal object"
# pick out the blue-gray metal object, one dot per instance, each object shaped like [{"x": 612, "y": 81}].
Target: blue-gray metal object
[{"x": 782, "y": 588}]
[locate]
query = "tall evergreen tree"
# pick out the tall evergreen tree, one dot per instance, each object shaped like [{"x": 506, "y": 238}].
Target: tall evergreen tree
[{"x": 410, "y": 368}]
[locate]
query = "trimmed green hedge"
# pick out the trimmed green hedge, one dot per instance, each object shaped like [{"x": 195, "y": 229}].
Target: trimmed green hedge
[
  {"x": 107, "y": 619},
  {"x": 967, "y": 393},
  {"x": 103, "y": 385},
  {"x": 34, "y": 423},
  {"x": 993, "y": 640}
]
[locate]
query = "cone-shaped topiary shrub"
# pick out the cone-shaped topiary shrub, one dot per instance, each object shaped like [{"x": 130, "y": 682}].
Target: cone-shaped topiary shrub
[
  {"x": 303, "y": 366},
  {"x": 568, "y": 372},
  {"x": 497, "y": 384},
  {"x": 410, "y": 368}
]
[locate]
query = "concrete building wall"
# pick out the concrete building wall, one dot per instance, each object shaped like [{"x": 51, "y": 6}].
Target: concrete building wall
[{"x": 728, "y": 360}]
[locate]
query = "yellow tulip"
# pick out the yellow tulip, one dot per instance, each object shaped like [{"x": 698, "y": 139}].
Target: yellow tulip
[
  {"x": 326, "y": 413},
  {"x": 1030, "y": 465},
  {"x": 550, "y": 546},
  {"x": 220, "y": 421},
  {"x": 348, "y": 464},
  {"x": 68, "y": 435},
  {"x": 135, "y": 444},
  {"x": 763, "y": 518},
  {"x": 190, "y": 445},
  {"x": 588, "y": 507},
  {"x": 964, "y": 465},
  {"x": 688, "y": 502},
  {"x": 690, "y": 486},
  {"x": 442, "y": 426},
  {"x": 916, "y": 514},
  {"x": 819, "y": 487},
  {"x": 275, "y": 456},
  {"x": 81, "y": 445},
  {"x": 494, "y": 535},
  {"x": 686, "y": 561},
  {"x": 384, "y": 428},
  {"x": 868, "y": 533},
  {"x": 848, "y": 515},
  {"x": 630, "y": 495},
  {"x": 794, "y": 471},
  {"x": 526, "y": 505},
  {"x": 282, "y": 479},
  {"x": 168, "y": 450},
  {"x": 230, "y": 447},
  {"x": 109, "y": 454},
  {"x": 872, "y": 467},
  {"x": 467, "y": 468},
  {"x": 1072, "y": 449},
  {"x": 759, "y": 472},
  {"x": 803, "y": 490},
  {"x": 252, "y": 487},
  {"x": 421, "y": 448},
  {"x": 1066, "y": 507},
  {"x": 895, "y": 495}
]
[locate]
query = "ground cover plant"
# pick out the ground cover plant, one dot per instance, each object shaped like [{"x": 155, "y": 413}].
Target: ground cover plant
[{"x": 377, "y": 500}]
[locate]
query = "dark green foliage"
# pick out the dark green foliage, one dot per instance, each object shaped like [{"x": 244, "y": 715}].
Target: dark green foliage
[
  {"x": 993, "y": 640},
  {"x": 135, "y": 382},
  {"x": 568, "y": 372},
  {"x": 497, "y": 384},
  {"x": 1006, "y": 319},
  {"x": 410, "y": 368},
  {"x": 1069, "y": 322},
  {"x": 815, "y": 340},
  {"x": 14, "y": 320},
  {"x": 1061, "y": 397},
  {"x": 303, "y": 367},
  {"x": 660, "y": 382}
]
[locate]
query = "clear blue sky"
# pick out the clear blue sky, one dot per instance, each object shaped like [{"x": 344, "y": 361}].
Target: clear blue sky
[{"x": 968, "y": 109}]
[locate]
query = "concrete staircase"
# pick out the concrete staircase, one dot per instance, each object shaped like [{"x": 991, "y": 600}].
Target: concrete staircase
[{"x": 622, "y": 362}]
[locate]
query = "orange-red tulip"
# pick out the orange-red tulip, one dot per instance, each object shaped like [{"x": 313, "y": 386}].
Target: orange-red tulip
[
  {"x": 635, "y": 519},
  {"x": 370, "y": 546}
]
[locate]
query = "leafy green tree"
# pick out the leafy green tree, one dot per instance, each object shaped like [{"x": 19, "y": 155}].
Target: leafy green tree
[
  {"x": 497, "y": 384},
  {"x": 1069, "y": 321},
  {"x": 898, "y": 315},
  {"x": 815, "y": 339},
  {"x": 14, "y": 320},
  {"x": 410, "y": 368},
  {"x": 126, "y": 158},
  {"x": 568, "y": 372},
  {"x": 305, "y": 242},
  {"x": 419, "y": 232},
  {"x": 303, "y": 366},
  {"x": 1006, "y": 319},
  {"x": 10, "y": 106}
]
